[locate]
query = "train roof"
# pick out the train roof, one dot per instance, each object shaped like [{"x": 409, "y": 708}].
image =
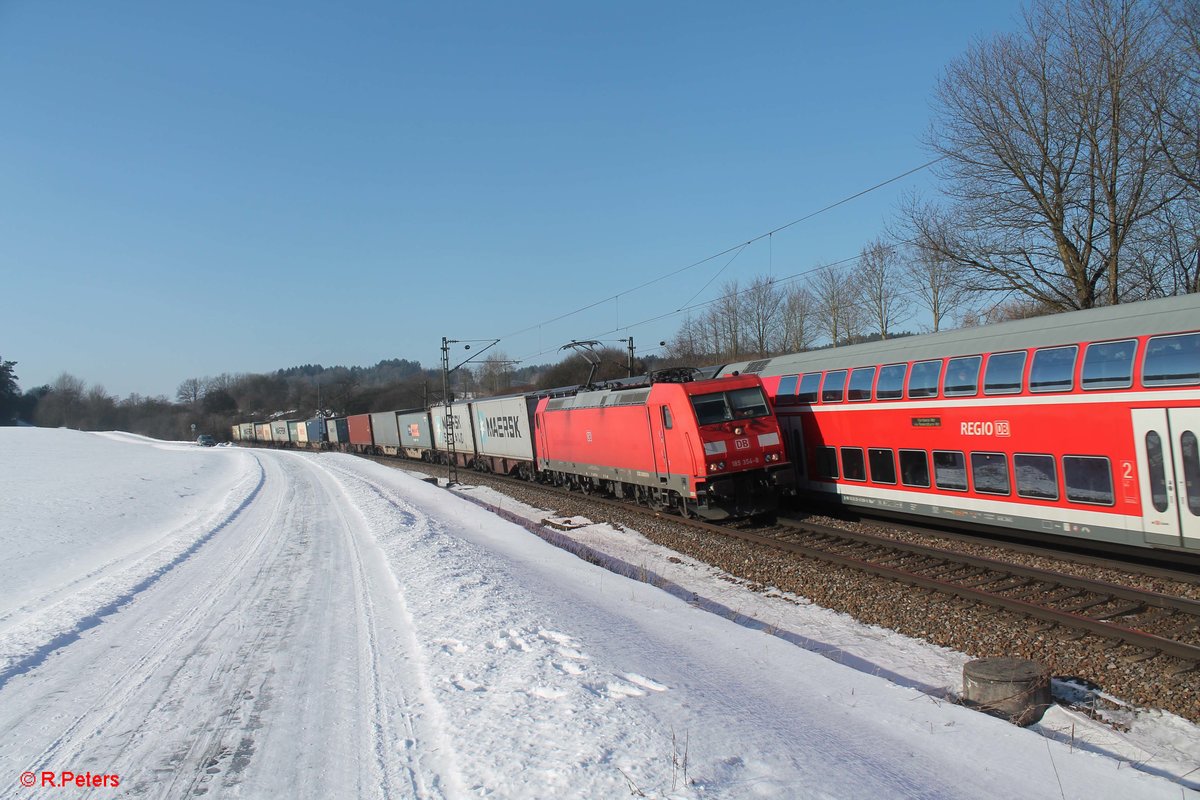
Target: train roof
[{"x": 1166, "y": 315}]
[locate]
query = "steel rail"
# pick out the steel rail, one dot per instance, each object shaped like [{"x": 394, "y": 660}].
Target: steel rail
[{"x": 1107, "y": 630}]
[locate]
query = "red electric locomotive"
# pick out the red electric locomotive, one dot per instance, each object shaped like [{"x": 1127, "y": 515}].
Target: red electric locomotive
[
  {"x": 709, "y": 448},
  {"x": 1081, "y": 424}
]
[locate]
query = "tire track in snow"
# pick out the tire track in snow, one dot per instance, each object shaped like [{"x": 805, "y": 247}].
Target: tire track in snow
[
  {"x": 130, "y": 682},
  {"x": 425, "y": 754},
  {"x": 29, "y": 644}
]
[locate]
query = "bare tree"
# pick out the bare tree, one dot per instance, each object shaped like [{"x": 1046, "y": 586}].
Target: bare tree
[
  {"x": 879, "y": 283},
  {"x": 689, "y": 342},
  {"x": 798, "y": 325},
  {"x": 1179, "y": 95},
  {"x": 62, "y": 406},
  {"x": 495, "y": 373},
  {"x": 730, "y": 321},
  {"x": 838, "y": 304},
  {"x": 1049, "y": 153},
  {"x": 762, "y": 302},
  {"x": 190, "y": 391},
  {"x": 929, "y": 275}
]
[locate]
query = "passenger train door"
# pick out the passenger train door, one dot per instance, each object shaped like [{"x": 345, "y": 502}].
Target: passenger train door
[{"x": 1168, "y": 454}]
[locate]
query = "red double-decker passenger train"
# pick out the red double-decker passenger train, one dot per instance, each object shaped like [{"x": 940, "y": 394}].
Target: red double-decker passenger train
[{"x": 1081, "y": 424}]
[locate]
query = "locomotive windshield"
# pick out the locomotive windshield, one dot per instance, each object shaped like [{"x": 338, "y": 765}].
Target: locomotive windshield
[{"x": 726, "y": 406}]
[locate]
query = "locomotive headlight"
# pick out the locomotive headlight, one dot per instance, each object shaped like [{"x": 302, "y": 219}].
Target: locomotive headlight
[{"x": 737, "y": 431}]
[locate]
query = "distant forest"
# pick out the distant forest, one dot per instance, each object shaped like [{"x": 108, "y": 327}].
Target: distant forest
[{"x": 214, "y": 404}]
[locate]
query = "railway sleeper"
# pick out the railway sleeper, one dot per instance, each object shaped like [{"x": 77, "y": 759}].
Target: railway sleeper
[
  {"x": 1128, "y": 609},
  {"x": 1032, "y": 588},
  {"x": 982, "y": 579},
  {"x": 1008, "y": 583},
  {"x": 1184, "y": 668},
  {"x": 941, "y": 570},
  {"x": 1084, "y": 605}
]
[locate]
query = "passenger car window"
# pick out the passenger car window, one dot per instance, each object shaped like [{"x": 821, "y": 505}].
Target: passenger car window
[
  {"x": 1053, "y": 369},
  {"x": 989, "y": 472},
  {"x": 1004, "y": 372},
  {"x": 883, "y": 465},
  {"x": 914, "y": 468},
  {"x": 826, "y": 462},
  {"x": 1189, "y": 454},
  {"x": 810, "y": 386},
  {"x": 923, "y": 380},
  {"x": 1088, "y": 479},
  {"x": 1172, "y": 361},
  {"x": 1036, "y": 476},
  {"x": 962, "y": 376},
  {"x": 891, "y": 382},
  {"x": 1108, "y": 365},
  {"x": 860, "y": 383},
  {"x": 950, "y": 470},
  {"x": 853, "y": 466},
  {"x": 1157, "y": 469},
  {"x": 834, "y": 387},
  {"x": 787, "y": 388}
]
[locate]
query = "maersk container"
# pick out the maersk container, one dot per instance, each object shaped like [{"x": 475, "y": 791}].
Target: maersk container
[
  {"x": 458, "y": 421},
  {"x": 504, "y": 430},
  {"x": 316, "y": 431},
  {"x": 385, "y": 433},
  {"x": 414, "y": 433},
  {"x": 359, "y": 427}
]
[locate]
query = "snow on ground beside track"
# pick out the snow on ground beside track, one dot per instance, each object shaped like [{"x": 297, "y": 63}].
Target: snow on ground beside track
[
  {"x": 88, "y": 520},
  {"x": 321, "y": 626},
  {"x": 1151, "y": 740}
]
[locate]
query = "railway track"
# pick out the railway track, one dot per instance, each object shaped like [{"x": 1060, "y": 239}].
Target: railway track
[
  {"x": 1155, "y": 624},
  {"x": 1150, "y": 621}
]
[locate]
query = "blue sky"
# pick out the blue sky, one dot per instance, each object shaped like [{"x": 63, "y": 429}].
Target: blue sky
[{"x": 191, "y": 189}]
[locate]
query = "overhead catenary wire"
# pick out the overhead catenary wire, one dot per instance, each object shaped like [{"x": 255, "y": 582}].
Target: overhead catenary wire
[{"x": 726, "y": 251}]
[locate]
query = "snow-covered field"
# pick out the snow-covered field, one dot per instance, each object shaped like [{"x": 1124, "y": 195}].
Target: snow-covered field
[{"x": 224, "y": 622}]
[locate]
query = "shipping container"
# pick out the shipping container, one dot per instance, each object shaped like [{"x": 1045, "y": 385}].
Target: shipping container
[
  {"x": 247, "y": 431},
  {"x": 299, "y": 433},
  {"x": 338, "y": 431},
  {"x": 359, "y": 428},
  {"x": 279, "y": 432},
  {"x": 503, "y": 428},
  {"x": 384, "y": 432},
  {"x": 262, "y": 431},
  {"x": 459, "y": 422},
  {"x": 415, "y": 438},
  {"x": 316, "y": 432}
]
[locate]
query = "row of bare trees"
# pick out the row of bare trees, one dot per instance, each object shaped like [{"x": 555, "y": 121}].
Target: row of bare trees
[{"x": 883, "y": 289}]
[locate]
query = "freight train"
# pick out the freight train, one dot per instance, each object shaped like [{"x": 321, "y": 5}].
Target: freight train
[
  {"x": 1081, "y": 424},
  {"x": 704, "y": 447}
]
